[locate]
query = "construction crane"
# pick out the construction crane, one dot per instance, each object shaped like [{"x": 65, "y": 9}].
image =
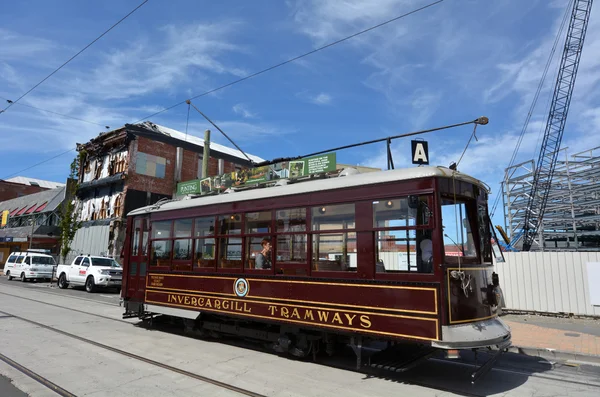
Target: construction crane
[{"x": 555, "y": 126}]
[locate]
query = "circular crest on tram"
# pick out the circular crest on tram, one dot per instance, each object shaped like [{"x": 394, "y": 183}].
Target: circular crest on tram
[{"x": 241, "y": 287}]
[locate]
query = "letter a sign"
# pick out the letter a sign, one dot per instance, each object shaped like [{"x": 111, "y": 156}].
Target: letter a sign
[{"x": 420, "y": 152}]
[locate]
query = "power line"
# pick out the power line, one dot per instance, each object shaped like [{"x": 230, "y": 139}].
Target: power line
[
  {"x": 59, "y": 114},
  {"x": 40, "y": 163},
  {"x": 292, "y": 59},
  {"x": 74, "y": 56},
  {"x": 233, "y": 82}
]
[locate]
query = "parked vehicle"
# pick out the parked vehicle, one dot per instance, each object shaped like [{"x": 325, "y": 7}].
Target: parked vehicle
[
  {"x": 29, "y": 265},
  {"x": 91, "y": 272}
]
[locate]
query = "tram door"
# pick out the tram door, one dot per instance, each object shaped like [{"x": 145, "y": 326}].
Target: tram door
[{"x": 138, "y": 260}]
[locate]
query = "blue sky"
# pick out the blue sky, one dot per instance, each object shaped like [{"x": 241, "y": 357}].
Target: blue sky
[{"x": 450, "y": 63}]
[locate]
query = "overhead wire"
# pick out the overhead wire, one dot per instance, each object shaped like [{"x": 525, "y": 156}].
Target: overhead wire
[
  {"x": 40, "y": 163},
  {"x": 74, "y": 56},
  {"x": 291, "y": 60},
  {"x": 238, "y": 80},
  {"x": 58, "y": 114},
  {"x": 536, "y": 96}
]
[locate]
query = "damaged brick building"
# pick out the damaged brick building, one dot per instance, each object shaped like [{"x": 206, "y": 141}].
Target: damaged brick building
[{"x": 134, "y": 166}]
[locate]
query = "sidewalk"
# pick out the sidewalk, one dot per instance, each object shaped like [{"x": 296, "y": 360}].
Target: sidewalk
[{"x": 555, "y": 337}]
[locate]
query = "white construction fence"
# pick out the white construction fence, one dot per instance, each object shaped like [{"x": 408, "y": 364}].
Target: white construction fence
[{"x": 551, "y": 282}]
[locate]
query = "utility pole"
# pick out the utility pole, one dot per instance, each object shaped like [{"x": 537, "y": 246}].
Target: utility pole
[{"x": 206, "y": 154}]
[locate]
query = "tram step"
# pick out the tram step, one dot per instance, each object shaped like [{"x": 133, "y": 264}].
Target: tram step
[{"x": 399, "y": 360}]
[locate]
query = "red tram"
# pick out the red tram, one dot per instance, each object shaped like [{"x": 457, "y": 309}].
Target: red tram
[{"x": 398, "y": 255}]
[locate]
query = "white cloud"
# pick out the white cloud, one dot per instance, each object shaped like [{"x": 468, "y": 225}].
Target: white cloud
[
  {"x": 22, "y": 47},
  {"x": 185, "y": 54},
  {"x": 243, "y": 111},
  {"x": 321, "y": 99}
]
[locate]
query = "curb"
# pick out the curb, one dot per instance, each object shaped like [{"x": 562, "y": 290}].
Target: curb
[{"x": 557, "y": 355}]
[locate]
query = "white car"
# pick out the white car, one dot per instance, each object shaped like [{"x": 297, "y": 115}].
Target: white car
[
  {"x": 29, "y": 265},
  {"x": 91, "y": 272}
]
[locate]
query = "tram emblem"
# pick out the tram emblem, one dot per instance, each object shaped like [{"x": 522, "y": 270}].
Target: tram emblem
[{"x": 241, "y": 287}]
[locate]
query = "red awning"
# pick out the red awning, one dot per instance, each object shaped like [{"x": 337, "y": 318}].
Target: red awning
[
  {"x": 14, "y": 212},
  {"x": 21, "y": 211},
  {"x": 41, "y": 207},
  {"x": 30, "y": 210}
]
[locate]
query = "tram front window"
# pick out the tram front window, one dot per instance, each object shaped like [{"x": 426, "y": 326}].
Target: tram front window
[
  {"x": 401, "y": 243},
  {"x": 458, "y": 230}
]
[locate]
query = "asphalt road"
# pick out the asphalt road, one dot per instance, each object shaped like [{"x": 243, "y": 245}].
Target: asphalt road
[
  {"x": 7, "y": 389},
  {"x": 110, "y": 296},
  {"x": 71, "y": 363}
]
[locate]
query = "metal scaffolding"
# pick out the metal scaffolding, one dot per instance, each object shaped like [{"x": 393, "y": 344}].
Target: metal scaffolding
[{"x": 571, "y": 220}]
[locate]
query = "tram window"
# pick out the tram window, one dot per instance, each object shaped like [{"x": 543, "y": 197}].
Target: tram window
[
  {"x": 204, "y": 255},
  {"x": 204, "y": 227},
  {"x": 291, "y": 220},
  {"x": 403, "y": 251},
  {"x": 183, "y": 228},
  {"x": 292, "y": 248},
  {"x": 401, "y": 212},
  {"x": 333, "y": 217},
  {"x": 485, "y": 237},
  {"x": 161, "y": 229},
  {"x": 230, "y": 224},
  {"x": 182, "y": 249},
  {"x": 230, "y": 252},
  {"x": 161, "y": 252},
  {"x": 145, "y": 239},
  {"x": 458, "y": 231},
  {"x": 135, "y": 242},
  {"x": 253, "y": 248},
  {"x": 258, "y": 222},
  {"x": 334, "y": 252}
]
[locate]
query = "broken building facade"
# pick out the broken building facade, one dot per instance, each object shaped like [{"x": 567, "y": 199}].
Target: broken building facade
[{"x": 131, "y": 167}]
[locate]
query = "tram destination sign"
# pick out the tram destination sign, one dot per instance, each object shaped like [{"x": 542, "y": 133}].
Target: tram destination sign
[{"x": 248, "y": 176}]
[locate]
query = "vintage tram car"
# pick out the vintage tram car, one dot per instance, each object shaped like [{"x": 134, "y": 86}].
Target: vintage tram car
[{"x": 398, "y": 255}]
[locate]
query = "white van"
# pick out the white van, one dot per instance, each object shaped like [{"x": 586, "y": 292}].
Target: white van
[{"x": 29, "y": 266}]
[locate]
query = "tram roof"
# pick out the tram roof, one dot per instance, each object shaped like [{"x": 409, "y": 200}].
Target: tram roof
[{"x": 365, "y": 179}]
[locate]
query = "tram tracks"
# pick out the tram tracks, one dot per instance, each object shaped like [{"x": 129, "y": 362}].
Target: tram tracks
[
  {"x": 132, "y": 356},
  {"x": 348, "y": 364},
  {"x": 67, "y": 308}
]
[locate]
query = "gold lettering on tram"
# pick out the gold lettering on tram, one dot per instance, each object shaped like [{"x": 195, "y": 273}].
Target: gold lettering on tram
[
  {"x": 156, "y": 281},
  {"x": 302, "y": 314},
  {"x": 216, "y": 303}
]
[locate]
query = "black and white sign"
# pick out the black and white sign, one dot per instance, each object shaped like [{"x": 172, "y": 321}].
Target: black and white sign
[{"x": 420, "y": 152}]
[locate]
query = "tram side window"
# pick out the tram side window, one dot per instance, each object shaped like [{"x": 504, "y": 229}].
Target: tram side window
[
  {"x": 182, "y": 245},
  {"x": 458, "y": 230},
  {"x": 292, "y": 241},
  {"x": 161, "y": 247},
  {"x": 258, "y": 240},
  {"x": 135, "y": 241},
  {"x": 333, "y": 241},
  {"x": 204, "y": 242},
  {"x": 230, "y": 242},
  {"x": 400, "y": 246},
  {"x": 145, "y": 236}
]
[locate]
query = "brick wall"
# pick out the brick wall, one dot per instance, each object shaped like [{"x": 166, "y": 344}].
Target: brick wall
[
  {"x": 10, "y": 190},
  {"x": 148, "y": 183},
  {"x": 166, "y": 185}
]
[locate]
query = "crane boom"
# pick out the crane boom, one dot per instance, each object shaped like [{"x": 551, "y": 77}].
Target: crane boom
[{"x": 555, "y": 125}]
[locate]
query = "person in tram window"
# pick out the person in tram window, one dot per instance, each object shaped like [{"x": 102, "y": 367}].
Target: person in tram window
[
  {"x": 263, "y": 259},
  {"x": 426, "y": 254}
]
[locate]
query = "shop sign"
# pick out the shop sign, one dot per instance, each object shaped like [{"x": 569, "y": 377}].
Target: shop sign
[
  {"x": 190, "y": 187},
  {"x": 249, "y": 176}
]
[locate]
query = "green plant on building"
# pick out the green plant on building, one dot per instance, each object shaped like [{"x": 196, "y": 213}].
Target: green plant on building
[{"x": 69, "y": 222}]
